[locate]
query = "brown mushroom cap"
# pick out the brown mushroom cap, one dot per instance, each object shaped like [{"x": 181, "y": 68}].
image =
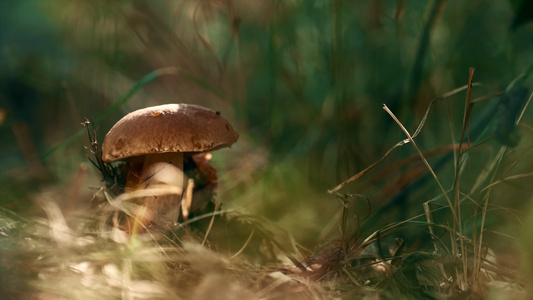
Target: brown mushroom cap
[{"x": 167, "y": 128}]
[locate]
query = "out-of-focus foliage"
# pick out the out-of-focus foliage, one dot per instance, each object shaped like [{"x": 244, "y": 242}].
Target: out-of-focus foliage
[{"x": 303, "y": 81}]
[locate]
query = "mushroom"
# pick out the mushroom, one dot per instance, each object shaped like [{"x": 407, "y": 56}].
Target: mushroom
[{"x": 155, "y": 140}]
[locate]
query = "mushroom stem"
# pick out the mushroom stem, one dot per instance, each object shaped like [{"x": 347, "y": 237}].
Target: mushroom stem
[
  {"x": 163, "y": 168},
  {"x": 159, "y": 170}
]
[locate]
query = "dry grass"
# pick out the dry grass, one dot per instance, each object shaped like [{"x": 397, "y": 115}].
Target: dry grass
[{"x": 225, "y": 254}]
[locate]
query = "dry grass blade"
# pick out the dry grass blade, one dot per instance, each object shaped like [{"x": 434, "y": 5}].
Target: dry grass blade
[
  {"x": 508, "y": 178},
  {"x": 240, "y": 251},
  {"x": 456, "y": 208},
  {"x": 411, "y": 140},
  {"x": 211, "y": 222},
  {"x": 358, "y": 175},
  {"x": 401, "y": 143}
]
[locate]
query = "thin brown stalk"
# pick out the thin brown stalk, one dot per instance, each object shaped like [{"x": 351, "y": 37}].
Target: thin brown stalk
[{"x": 456, "y": 191}]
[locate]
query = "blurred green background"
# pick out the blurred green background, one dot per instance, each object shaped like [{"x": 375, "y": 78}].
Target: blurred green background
[{"x": 303, "y": 81}]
